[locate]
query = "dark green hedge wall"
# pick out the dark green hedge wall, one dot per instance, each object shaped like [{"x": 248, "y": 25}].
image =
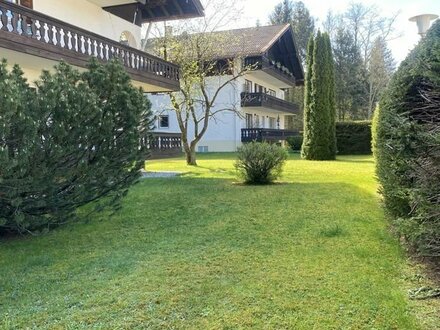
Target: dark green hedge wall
[
  {"x": 407, "y": 145},
  {"x": 353, "y": 138}
]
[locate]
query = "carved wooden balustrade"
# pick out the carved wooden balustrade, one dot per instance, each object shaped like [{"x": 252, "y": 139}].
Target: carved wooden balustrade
[{"x": 27, "y": 31}]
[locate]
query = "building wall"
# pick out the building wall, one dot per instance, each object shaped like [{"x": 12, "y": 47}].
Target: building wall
[
  {"x": 81, "y": 13},
  {"x": 224, "y": 133},
  {"x": 89, "y": 16}
]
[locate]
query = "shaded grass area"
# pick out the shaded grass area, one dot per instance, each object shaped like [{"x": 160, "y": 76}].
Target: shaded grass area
[{"x": 199, "y": 252}]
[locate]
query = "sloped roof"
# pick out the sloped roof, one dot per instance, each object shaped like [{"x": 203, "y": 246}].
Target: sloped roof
[
  {"x": 274, "y": 41},
  {"x": 251, "y": 41}
]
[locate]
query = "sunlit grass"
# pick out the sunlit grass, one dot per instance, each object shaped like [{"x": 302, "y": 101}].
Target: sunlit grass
[{"x": 201, "y": 252}]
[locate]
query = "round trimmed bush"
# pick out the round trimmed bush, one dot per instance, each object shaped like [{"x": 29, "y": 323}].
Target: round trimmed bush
[{"x": 260, "y": 163}]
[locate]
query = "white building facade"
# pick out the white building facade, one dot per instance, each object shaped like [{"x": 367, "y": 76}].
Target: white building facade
[
  {"x": 258, "y": 110},
  {"x": 37, "y": 34}
]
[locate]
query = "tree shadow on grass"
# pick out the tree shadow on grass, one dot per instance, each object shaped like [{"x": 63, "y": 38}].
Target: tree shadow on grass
[{"x": 171, "y": 231}]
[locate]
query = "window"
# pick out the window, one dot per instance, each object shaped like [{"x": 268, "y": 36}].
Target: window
[
  {"x": 289, "y": 122},
  {"x": 271, "y": 92},
  {"x": 272, "y": 122},
  {"x": 203, "y": 149},
  {"x": 248, "y": 86},
  {"x": 257, "y": 121},
  {"x": 258, "y": 88},
  {"x": 164, "y": 122},
  {"x": 249, "y": 121}
]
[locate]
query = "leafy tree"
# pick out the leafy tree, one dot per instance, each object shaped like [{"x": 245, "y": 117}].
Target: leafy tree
[
  {"x": 73, "y": 141},
  {"x": 319, "y": 117}
]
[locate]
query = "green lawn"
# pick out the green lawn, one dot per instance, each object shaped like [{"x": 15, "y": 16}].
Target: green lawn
[{"x": 201, "y": 252}]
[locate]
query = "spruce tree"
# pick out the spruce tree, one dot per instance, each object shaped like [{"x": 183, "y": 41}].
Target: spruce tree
[{"x": 319, "y": 113}]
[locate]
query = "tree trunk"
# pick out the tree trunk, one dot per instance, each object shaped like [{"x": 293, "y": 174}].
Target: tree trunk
[{"x": 190, "y": 152}]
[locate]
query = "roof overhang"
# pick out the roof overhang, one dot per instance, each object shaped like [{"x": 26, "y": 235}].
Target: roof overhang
[{"x": 147, "y": 11}]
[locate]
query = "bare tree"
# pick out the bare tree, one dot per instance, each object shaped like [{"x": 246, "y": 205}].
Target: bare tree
[
  {"x": 332, "y": 24},
  {"x": 367, "y": 24},
  {"x": 204, "y": 73},
  {"x": 380, "y": 69},
  {"x": 363, "y": 62}
]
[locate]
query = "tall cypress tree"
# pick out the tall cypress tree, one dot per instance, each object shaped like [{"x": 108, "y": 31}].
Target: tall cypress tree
[
  {"x": 319, "y": 113},
  {"x": 331, "y": 97},
  {"x": 308, "y": 94}
]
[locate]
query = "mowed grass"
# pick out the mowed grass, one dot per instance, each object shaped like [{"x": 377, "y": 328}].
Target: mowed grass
[{"x": 203, "y": 252}]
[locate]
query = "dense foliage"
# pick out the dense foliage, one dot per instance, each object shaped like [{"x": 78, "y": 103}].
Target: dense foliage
[
  {"x": 364, "y": 63},
  {"x": 350, "y": 75},
  {"x": 295, "y": 142},
  {"x": 72, "y": 141},
  {"x": 353, "y": 138},
  {"x": 260, "y": 163},
  {"x": 298, "y": 16},
  {"x": 406, "y": 145},
  {"x": 319, "y": 105}
]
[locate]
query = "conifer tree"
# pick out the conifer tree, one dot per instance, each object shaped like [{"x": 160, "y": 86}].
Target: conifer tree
[
  {"x": 308, "y": 118},
  {"x": 319, "y": 113},
  {"x": 73, "y": 141},
  {"x": 331, "y": 97}
]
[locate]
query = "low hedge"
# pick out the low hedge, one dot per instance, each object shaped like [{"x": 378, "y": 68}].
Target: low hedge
[
  {"x": 295, "y": 142},
  {"x": 353, "y": 138}
]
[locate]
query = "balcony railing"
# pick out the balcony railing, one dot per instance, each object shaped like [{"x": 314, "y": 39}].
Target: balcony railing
[
  {"x": 272, "y": 68},
  {"x": 27, "y": 31},
  {"x": 268, "y": 101},
  {"x": 265, "y": 134},
  {"x": 164, "y": 145}
]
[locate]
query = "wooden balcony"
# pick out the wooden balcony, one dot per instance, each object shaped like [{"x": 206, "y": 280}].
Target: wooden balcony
[
  {"x": 265, "y": 134},
  {"x": 267, "y": 101},
  {"x": 264, "y": 64},
  {"x": 29, "y": 32},
  {"x": 164, "y": 145}
]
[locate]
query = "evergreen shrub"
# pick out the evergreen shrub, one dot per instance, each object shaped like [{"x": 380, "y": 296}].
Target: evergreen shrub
[
  {"x": 260, "y": 163},
  {"x": 72, "y": 141},
  {"x": 319, "y": 101},
  {"x": 295, "y": 142},
  {"x": 353, "y": 138},
  {"x": 407, "y": 145}
]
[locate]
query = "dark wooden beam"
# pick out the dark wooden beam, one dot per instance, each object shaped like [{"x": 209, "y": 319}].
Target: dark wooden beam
[
  {"x": 165, "y": 11},
  {"x": 179, "y": 9}
]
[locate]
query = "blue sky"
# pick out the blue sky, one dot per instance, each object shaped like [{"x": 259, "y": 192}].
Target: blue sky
[{"x": 260, "y": 9}]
